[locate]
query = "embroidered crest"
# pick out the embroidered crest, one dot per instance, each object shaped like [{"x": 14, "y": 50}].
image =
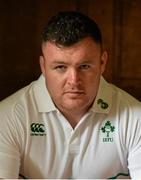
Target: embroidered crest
[{"x": 108, "y": 129}]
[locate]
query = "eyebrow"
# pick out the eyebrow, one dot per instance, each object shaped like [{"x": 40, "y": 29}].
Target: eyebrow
[
  {"x": 63, "y": 62},
  {"x": 59, "y": 62}
]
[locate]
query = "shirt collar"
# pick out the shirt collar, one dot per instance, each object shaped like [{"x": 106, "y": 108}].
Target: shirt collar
[
  {"x": 102, "y": 103},
  {"x": 103, "y": 100},
  {"x": 42, "y": 96}
]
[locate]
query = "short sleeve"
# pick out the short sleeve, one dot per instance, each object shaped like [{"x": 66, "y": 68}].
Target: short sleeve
[
  {"x": 9, "y": 148},
  {"x": 9, "y": 163},
  {"x": 134, "y": 157}
]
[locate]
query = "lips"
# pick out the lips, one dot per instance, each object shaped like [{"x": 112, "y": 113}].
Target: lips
[{"x": 74, "y": 93}]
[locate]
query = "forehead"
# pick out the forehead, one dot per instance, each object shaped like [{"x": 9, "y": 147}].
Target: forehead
[{"x": 85, "y": 48}]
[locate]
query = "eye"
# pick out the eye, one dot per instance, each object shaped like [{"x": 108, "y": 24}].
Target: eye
[
  {"x": 84, "y": 66},
  {"x": 60, "y": 68}
]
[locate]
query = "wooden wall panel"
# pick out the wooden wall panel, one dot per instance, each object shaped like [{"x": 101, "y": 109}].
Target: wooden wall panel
[
  {"x": 17, "y": 44},
  {"x": 129, "y": 63},
  {"x": 131, "y": 40}
]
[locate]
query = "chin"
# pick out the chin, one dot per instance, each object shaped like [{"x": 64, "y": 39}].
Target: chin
[{"x": 74, "y": 105}]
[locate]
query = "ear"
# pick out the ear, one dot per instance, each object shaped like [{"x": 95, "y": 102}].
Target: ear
[
  {"x": 42, "y": 64},
  {"x": 104, "y": 58}
]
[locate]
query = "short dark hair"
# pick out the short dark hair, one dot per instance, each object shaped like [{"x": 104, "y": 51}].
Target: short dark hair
[{"x": 69, "y": 27}]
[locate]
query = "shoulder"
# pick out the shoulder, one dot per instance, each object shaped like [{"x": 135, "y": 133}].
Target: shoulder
[
  {"x": 17, "y": 103},
  {"x": 118, "y": 100},
  {"x": 128, "y": 116},
  {"x": 11, "y": 101},
  {"x": 124, "y": 100},
  {"x": 122, "y": 106}
]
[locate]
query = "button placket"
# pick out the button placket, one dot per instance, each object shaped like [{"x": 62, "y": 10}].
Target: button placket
[{"x": 74, "y": 145}]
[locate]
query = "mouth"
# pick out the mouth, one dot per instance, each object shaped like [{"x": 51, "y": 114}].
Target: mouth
[{"x": 75, "y": 93}]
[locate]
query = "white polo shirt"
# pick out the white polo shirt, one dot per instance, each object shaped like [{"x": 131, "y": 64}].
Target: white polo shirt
[{"x": 36, "y": 141}]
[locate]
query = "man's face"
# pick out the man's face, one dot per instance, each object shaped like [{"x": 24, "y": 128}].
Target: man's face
[{"x": 73, "y": 73}]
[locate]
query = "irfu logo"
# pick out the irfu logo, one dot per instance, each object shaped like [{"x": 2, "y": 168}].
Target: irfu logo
[
  {"x": 107, "y": 129},
  {"x": 37, "y": 129}
]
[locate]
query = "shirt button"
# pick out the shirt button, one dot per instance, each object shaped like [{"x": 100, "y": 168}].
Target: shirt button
[{"x": 103, "y": 104}]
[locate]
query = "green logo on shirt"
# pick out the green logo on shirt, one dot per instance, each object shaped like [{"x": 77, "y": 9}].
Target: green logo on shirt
[
  {"x": 37, "y": 129},
  {"x": 108, "y": 129}
]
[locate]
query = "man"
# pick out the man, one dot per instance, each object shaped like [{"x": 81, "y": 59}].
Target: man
[{"x": 71, "y": 123}]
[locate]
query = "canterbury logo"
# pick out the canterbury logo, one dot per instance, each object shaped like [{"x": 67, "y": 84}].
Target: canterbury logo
[{"x": 37, "y": 129}]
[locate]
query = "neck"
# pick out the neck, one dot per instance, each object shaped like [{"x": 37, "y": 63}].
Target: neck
[{"x": 73, "y": 117}]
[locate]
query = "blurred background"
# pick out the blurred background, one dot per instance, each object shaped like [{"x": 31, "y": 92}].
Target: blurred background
[{"x": 21, "y": 23}]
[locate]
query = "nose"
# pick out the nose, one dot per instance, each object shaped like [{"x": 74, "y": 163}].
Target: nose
[{"x": 73, "y": 77}]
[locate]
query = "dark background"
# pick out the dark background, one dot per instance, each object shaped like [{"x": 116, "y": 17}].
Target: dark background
[{"x": 21, "y": 22}]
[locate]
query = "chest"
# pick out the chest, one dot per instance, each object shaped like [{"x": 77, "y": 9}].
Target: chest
[{"x": 91, "y": 150}]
